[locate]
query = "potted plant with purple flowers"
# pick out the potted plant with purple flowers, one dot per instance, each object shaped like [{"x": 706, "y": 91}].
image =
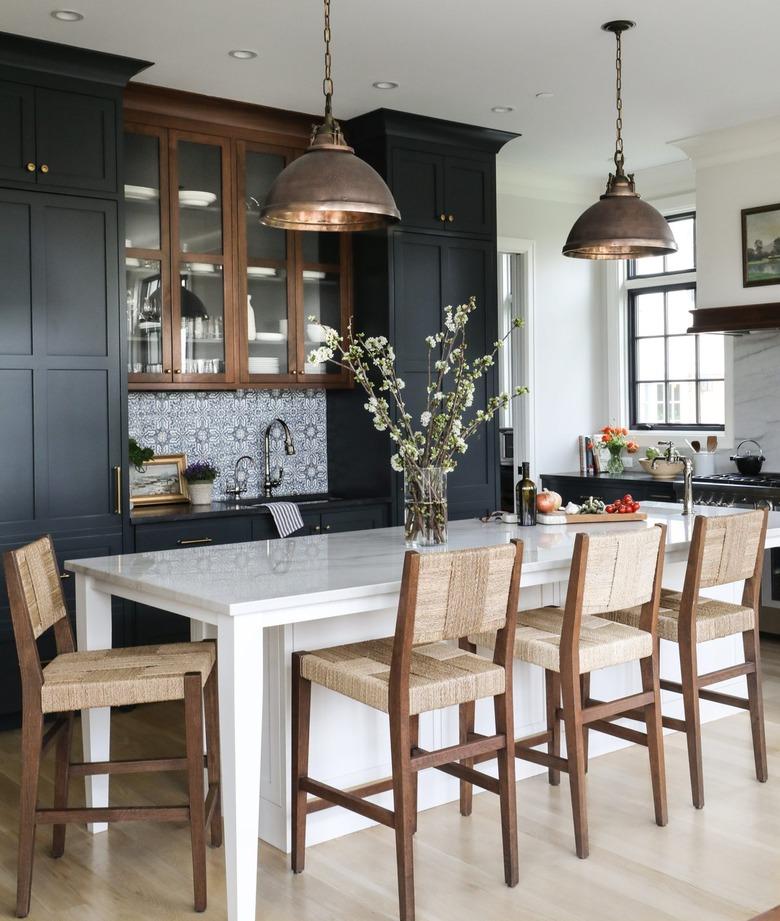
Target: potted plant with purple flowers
[{"x": 200, "y": 478}]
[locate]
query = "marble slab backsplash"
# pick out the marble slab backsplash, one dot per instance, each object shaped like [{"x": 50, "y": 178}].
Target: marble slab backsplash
[
  {"x": 757, "y": 393},
  {"x": 221, "y": 426}
]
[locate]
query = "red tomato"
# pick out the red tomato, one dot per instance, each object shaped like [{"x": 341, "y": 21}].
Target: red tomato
[{"x": 628, "y": 497}]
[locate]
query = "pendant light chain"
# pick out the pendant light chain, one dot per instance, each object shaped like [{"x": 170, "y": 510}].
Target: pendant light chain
[
  {"x": 327, "y": 83},
  {"x": 619, "y": 158}
]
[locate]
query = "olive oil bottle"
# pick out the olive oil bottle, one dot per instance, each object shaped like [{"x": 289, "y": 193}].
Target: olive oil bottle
[{"x": 526, "y": 497}]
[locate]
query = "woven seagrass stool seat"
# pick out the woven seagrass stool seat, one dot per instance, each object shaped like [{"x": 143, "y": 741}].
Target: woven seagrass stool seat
[
  {"x": 724, "y": 549},
  {"x": 444, "y": 597},
  {"x": 75, "y": 681},
  {"x": 609, "y": 573}
]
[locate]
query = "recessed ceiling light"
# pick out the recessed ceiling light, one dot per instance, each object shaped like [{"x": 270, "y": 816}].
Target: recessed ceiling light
[
  {"x": 242, "y": 54},
  {"x": 385, "y": 85},
  {"x": 545, "y": 95},
  {"x": 502, "y": 110},
  {"x": 67, "y": 15}
]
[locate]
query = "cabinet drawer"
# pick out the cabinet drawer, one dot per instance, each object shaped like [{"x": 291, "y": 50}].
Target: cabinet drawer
[
  {"x": 361, "y": 518},
  {"x": 177, "y": 535}
]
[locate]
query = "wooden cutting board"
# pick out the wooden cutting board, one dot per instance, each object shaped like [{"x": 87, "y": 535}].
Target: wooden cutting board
[{"x": 603, "y": 518}]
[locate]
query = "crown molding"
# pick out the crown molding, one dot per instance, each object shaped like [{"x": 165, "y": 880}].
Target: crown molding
[{"x": 747, "y": 141}]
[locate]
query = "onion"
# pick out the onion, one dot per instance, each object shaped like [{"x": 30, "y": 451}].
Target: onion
[{"x": 548, "y": 501}]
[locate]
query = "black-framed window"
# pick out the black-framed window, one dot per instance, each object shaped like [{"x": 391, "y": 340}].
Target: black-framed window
[
  {"x": 684, "y": 260},
  {"x": 676, "y": 379}
]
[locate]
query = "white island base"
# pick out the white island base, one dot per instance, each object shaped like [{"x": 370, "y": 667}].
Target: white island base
[{"x": 350, "y": 742}]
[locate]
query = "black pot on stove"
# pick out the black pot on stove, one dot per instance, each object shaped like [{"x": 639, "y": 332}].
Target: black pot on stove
[{"x": 748, "y": 462}]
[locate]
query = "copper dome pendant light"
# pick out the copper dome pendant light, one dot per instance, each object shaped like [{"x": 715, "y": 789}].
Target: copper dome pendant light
[
  {"x": 620, "y": 225},
  {"x": 328, "y": 187}
]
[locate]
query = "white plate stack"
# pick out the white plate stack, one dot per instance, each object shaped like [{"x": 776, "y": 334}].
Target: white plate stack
[{"x": 264, "y": 365}]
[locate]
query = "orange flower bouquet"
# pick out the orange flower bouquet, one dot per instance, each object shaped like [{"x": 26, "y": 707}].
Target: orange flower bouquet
[{"x": 615, "y": 439}]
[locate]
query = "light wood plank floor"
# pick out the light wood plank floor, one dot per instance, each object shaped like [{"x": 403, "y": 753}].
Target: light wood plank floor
[{"x": 720, "y": 864}]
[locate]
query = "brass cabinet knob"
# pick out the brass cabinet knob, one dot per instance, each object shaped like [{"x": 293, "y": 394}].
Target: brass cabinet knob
[
  {"x": 177, "y": 371},
  {"x": 442, "y": 217},
  {"x": 44, "y": 167},
  {"x": 317, "y": 528},
  {"x": 167, "y": 370},
  {"x": 30, "y": 167},
  {"x": 450, "y": 218},
  {"x": 327, "y": 527}
]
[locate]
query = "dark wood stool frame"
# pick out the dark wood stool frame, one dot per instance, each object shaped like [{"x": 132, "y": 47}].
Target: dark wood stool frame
[
  {"x": 202, "y": 809},
  {"x": 580, "y": 713},
  {"x": 407, "y": 758}
]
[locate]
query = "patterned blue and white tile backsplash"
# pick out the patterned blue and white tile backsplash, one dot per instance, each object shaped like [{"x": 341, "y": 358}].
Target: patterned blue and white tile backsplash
[{"x": 220, "y": 426}]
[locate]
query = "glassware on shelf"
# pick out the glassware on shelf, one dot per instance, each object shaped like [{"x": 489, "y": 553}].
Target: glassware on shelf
[
  {"x": 144, "y": 316},
  {"x": 202, "y": 318},
  {"x": 267, "y": 301}
]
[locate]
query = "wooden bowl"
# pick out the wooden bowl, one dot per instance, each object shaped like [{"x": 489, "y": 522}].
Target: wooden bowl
[{"x": 663, "y": 470}]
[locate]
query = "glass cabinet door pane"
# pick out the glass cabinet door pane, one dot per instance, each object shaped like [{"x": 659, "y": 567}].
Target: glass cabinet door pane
[
  {"x": 200, "y": 197},
  {"x": 262, "y": 242},
  {"x": 144, "y": 316},
  {"x": 321, "y": 248},
  {"x": 322, "y": 300},
  {"x": 202, "y": 318},
  {"x": 267, "y": 320},
  {"x": 142, "y": 191}
]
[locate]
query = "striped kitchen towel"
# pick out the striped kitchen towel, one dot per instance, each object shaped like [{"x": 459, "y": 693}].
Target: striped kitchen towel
[{"x": 286, "y": 516}]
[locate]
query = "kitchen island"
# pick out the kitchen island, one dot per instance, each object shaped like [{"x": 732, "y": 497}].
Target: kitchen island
[{"x": 267, "y": 598}]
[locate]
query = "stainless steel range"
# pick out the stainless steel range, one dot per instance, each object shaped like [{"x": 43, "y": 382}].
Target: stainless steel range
[{"x": 734, "y": 490}]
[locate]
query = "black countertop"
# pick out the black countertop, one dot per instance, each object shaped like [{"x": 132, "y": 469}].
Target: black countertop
[
  {"x": 630, "y": 476},
  {"x": 248, "y": 505}
]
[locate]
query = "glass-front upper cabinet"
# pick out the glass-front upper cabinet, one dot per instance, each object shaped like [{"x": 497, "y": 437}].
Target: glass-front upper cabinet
[{"x": 201, "y": 259}]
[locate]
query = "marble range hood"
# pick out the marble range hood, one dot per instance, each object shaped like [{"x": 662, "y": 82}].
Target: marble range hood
[{"x": 744, "y": 318}]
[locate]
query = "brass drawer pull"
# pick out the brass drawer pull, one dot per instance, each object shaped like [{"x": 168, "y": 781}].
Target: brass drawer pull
[
  {"x": 30, "y": 167},
  {"x": 117, "y": 490},
  {"x": 190, "y": 541},
  {"x": 44, "y": 167}
]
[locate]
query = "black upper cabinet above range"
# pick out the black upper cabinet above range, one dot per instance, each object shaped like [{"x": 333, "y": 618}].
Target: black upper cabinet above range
[
  {"x": 56, "y": 139},
  {"x": 436, "y": 191}
]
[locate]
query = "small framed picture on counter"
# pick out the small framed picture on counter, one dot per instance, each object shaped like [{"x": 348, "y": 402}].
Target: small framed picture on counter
[
  {"x": 761, "y": 246},
  {"x": 159, "y": 481}
]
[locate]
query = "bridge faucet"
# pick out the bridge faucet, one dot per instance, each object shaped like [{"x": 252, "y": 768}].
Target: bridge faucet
[
  {"x": 236, "y": 490},
  {"x": 270, "y": 483}
]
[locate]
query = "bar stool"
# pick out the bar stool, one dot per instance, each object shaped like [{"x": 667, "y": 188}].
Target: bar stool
[
  {"x": 724, "y": 549},
  {"x": 608, "y": 572},
  {"x": 444, "y": 596},
  {"x": 106, "y": 678}
]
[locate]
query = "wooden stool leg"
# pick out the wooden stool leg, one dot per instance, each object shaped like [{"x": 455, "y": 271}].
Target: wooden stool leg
[
  {"x": 552, "y": 684},
  {"x": 301, "y": 715},
  {"x": 575, "y": 754},
  {"x": 32, "y": 735},
  {"x": 400, "y": 745},
  {"x": 655, "y": 736},
  {"x": 211, "y": 711},
  {"x": 414, "y": 741},
  {"x": 467, "y": 715},
  {"x": 193, "y": 732},
  {"x": 690, "y": 690},
  {"x": 506, "y": 787},
  {"x": 750, "y": 643},
  {"x": 584, "y": 697},
  {"x": 61, "y": 780}
]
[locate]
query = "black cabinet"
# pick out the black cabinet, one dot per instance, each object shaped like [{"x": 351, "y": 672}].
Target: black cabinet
[
  {"x": 58, "y": 139},
  {"x": 442, "y": 175},
  {"x": 643, "y": 488},
  {"x": 443, "y": 191}
]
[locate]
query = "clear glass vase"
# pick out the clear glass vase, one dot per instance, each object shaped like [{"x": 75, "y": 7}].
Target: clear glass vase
[
  {"x": 425, "y": 507},
  {"x": 615, "y": 464}
]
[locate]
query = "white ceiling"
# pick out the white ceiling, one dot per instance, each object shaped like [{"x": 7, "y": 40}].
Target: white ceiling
[{"x": 690, "y": 66}]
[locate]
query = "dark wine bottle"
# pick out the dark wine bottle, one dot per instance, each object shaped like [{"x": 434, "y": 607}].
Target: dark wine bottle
[{"x": 526, "y": 497}]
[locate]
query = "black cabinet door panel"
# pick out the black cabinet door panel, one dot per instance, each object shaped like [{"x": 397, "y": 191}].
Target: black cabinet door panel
[
  {"x": 418, "y": 187},
  {"x": 17, "y": 137},
  {"x": 76, "y": 140},
  {"x": 176, "y": 535},
  {"x": 469, "y": 195},
  {"x": 15, "y": 272},
  {"x": 17, "y": 489},
  {"x": 359, "y": 518},
  {"x": 74, "y": 246},
  {"x": 418, "y": 297}
]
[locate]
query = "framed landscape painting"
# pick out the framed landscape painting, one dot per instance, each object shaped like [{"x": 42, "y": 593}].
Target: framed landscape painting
[
  {"x": 761, "y": 246},
  {"x": 160, "y": 480}
]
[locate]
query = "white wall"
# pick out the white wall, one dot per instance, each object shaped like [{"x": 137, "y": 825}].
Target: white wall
[{"x": 569, "y": 391}]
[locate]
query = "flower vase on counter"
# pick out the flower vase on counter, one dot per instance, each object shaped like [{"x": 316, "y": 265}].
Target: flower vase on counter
[
  {"x": 615, "y": 439},
  {"x": 424, "y": 455},
  {"x": 425, "y": 507}
]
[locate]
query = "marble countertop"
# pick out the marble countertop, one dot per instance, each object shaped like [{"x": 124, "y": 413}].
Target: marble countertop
[{"x": 274, "y": 574}]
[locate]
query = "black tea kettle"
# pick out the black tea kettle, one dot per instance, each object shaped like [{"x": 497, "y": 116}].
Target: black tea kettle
[{"x": 748, "y": 463}]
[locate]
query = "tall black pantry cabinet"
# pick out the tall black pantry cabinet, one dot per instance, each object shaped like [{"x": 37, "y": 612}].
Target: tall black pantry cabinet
[
  {"x": 443, "y": 177},
  {"x": 62, "y": 386}
]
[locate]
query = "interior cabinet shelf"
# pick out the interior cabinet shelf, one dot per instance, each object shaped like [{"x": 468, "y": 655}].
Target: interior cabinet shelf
[{"x": 214, "y": 263}]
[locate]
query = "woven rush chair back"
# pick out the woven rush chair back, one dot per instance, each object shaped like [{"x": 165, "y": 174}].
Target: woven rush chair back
[
  {"x": 620, "y": 571},
  {"x": 461, "y": 592},
  {"x": 732, "y": 547}
]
